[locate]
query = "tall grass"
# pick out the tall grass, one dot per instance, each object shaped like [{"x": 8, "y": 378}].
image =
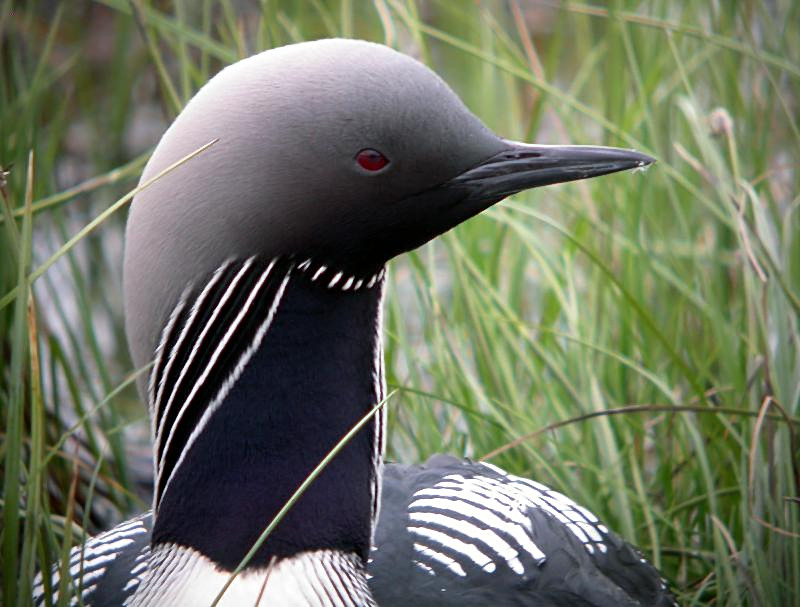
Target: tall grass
[{"x": 632, "y": 341}]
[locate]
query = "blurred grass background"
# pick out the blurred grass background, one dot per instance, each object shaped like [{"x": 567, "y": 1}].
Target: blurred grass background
[{"x": 632, "y": 341}]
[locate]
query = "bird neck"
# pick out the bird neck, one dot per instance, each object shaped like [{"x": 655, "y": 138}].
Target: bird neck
[{"x": 258, "y": 375}]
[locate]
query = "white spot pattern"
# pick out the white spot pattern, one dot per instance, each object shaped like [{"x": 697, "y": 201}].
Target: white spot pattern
[
  {"x": 468, "y": 529},
  {"x": 445, "y": 560},
  {"x": 468, "y": 549},
  {"x": 338, "y": 278},
  {"x": 424, "y": 567},
  {"x": 89, "y": 562},
  {"x": 483, "y": 520}
]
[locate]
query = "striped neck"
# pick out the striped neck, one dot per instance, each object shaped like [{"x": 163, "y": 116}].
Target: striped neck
[{"x": 259, "y": 373}]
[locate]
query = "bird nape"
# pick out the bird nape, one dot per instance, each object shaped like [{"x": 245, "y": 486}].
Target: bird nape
[{"x": 254, "y": 280}]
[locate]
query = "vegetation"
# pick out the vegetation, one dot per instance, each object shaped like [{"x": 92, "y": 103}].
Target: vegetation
[{"x": 632, "y": 340}]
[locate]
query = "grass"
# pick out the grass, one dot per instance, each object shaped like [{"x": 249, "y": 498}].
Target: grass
[{"x": 632, "y": 341}]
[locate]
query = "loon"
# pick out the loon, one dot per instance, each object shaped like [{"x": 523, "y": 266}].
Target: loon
[{"x": 254, "y": 279}]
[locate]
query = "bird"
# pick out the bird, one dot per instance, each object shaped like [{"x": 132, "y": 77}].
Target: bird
[{"x": 253, "y": 280}]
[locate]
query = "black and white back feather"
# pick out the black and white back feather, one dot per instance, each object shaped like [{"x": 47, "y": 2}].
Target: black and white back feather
[
  {"x": 106, "y": 570},
  {"x": 461, "y": 533}
]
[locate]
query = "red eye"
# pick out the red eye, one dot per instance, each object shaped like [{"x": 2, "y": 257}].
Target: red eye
[{"x": 371, "y": 160}]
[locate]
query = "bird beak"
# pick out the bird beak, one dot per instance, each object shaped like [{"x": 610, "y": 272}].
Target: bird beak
[
  {"x": 525, "y": 166},
  {"x": 520, "y": 166}
]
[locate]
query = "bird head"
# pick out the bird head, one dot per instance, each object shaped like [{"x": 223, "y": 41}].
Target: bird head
[{"x": 343, "y": 152}]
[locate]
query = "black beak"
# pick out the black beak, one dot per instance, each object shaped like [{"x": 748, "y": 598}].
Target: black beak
[
  {"x": 524, "y": 166},
  {"x": 520, "y": 166}
]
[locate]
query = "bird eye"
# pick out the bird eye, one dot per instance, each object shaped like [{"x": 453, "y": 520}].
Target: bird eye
[{"x": 371, "y": 160}]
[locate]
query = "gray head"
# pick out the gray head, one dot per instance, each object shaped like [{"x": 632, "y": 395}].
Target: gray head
[{"x": 290, "y": 175}]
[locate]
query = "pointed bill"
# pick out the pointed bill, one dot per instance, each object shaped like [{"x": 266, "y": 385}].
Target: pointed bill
[{"x": 524, "y": 166}]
